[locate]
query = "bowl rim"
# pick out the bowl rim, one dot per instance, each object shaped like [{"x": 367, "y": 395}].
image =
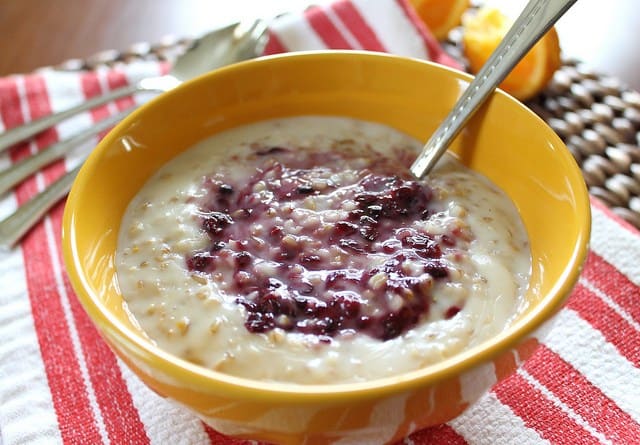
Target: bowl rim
[{"x": 213, "y": 381}]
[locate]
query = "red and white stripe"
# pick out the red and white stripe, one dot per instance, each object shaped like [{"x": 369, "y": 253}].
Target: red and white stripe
[
  {"x": 576, "y": 393},
  {"x": 381, "y": 25},
  {"x": 60, "y": 383},
  {"x": 24, "y": 392}
]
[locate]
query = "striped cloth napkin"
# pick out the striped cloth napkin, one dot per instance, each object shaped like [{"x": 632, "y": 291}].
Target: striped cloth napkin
[{"x": 59, "y": 383}]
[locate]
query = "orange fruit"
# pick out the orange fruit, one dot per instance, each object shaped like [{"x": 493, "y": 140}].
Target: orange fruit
[
  {"x": 483, "y": 31},
  {"x": 440, "y": 16}
]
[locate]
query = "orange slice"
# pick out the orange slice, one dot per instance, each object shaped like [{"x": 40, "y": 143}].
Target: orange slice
[
  {"x": 483, "y": 31},
  {"x": 440, "y": 15}
]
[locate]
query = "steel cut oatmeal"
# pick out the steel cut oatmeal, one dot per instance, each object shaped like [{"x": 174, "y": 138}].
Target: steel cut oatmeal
[{"x": 302, "y": 250}]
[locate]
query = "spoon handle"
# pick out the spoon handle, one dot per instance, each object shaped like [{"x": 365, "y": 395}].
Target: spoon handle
[{"x": 535, "y": 20}]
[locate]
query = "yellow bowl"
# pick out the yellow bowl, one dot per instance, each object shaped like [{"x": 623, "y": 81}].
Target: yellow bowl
[{"x": 505, "y": 141}]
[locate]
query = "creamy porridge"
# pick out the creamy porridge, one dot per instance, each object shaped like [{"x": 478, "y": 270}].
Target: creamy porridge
[{"x": 302, "y": 250}]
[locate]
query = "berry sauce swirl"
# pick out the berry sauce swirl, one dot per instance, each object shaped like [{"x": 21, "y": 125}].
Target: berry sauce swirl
[{"x": 323, "y": 244}]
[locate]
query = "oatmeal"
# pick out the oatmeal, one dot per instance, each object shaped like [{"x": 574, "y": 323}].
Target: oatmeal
[{"x": 302, "y": 250}]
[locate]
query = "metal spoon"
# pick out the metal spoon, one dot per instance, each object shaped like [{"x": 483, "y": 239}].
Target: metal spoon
[
  {"x": 233, "y": 43},
  {"x": 533, "y": 22},
  {"x": 223, "y": 46},
  {"x": 238, "y": 41}
]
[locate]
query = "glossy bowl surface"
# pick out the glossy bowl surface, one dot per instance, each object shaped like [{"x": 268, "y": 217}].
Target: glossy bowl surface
[{"x": 504, "y": 141}]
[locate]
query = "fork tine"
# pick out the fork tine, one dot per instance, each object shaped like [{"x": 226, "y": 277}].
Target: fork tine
[
  {"x": 250, "y": 38},
  {"x": 248, "y": 43},
  {"x": 24, "y": 132},
  {"x": 16, "y": 225},
  {"x": 19, "y": 171}
]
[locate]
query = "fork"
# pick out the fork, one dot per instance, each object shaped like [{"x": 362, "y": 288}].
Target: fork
[{"x": 224, "y": 46}]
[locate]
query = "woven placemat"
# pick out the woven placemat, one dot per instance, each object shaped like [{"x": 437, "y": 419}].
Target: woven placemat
[
  {"x": 599, "y": 119},
  {"x": 596, "y": 115}
]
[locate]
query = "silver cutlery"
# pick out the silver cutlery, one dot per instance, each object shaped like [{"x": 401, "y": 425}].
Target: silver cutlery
[
  {"x": 224, "y": 46},
  {"x": 536, "y": 18}
]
